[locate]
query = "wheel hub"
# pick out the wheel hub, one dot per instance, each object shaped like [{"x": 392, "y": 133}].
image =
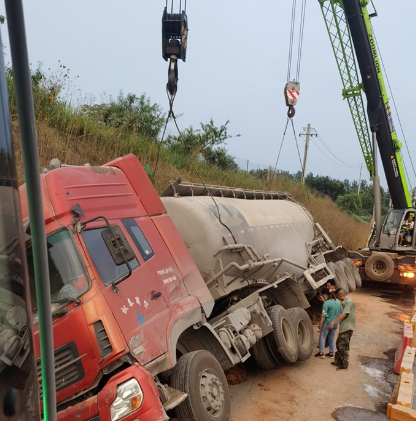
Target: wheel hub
[
  {"x": 379, "y": 267},
  {"x": 212, "y": 392}
]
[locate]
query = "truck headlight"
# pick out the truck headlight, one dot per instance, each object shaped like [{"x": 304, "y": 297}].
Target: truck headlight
[{"x": 129, "y": 398}]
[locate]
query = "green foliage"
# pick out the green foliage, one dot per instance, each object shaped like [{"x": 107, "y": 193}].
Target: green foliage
[
  {"x": 350, "y": 203},
  {"x": 220, "y": 158},
  {"x": 325, "y": 185},
  {"x": 202, "y": 143},
  {"x": 130, "y": 113}
]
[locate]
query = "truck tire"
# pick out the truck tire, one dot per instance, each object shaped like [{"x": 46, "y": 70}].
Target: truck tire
[
  {"x": 282, "y": 341},
  {"x": 379, "y": 267},
  {"x": 304, "y": 328},
  {"x": 263, "y": 356},
  {"x": 200, "y": 375},
  {"x": 339, "y": 277},
  {"x": 355, "y": 272},
  {"x": 348, "y": 275}
]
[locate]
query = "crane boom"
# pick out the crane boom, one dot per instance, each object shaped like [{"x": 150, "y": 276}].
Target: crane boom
[
  {"x": 349, "y": 21},
  {"x": 337, "y": 27}
]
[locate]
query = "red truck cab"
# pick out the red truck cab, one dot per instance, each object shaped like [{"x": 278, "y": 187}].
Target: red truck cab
[{"x": 114, "y": 323}]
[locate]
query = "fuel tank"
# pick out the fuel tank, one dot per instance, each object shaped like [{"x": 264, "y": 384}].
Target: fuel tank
[{"x": 274, "y": 228}]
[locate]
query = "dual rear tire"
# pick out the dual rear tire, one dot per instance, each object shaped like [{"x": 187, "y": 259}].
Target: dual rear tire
[
  {"x": 346, "y": 275},
  {"x": 292, "y": 338}
]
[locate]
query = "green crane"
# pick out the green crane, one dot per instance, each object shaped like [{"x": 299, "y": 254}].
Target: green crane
[{"x": 348, "y": 24}]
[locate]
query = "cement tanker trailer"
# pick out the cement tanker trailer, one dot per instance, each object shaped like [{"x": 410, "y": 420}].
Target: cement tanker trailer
[{"x": 260, "y": 248}]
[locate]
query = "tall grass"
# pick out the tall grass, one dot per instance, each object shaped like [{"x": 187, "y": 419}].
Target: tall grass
[{"x": 66, "y": 133}]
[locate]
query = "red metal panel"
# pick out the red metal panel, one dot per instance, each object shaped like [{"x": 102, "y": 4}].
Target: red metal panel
[
  {"x": 73, "y": 328},
  {"x": 140, "y": 182},
  {"x": 85, "y": 410},
  {"x": 151, "y": 409},
  {"x": 192, "y": 278},
  {"x": 99, "y": 191}
]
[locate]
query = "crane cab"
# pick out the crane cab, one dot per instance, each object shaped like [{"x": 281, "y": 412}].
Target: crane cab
[{"x": 398, "y": 230}]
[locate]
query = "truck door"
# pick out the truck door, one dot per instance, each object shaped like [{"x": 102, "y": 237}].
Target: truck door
[{"x": 139, "y": 303}]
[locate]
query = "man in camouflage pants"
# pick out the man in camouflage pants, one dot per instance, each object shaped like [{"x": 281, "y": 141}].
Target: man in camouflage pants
[{"x": 346, "y": 329}]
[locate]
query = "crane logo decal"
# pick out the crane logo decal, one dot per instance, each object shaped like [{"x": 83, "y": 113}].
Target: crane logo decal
[
  {"x": 389, "y": 117},
  {"x": 396, "y": 171}
]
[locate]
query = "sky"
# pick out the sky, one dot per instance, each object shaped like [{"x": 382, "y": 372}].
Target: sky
[{"x": 236, "y": 69}]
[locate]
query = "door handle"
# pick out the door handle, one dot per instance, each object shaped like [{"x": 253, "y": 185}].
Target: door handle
[{"x": 155, "y": 295}]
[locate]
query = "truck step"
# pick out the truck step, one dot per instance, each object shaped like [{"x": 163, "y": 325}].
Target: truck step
[{"x": 175, "y": 397}]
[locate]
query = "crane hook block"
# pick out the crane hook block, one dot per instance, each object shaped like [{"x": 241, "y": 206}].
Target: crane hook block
[
  {"x": 291, "y": 93},
  {"x": 174, "y": 35}
]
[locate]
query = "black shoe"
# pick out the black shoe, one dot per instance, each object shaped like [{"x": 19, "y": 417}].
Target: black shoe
[{"x": 320, "y": 355}]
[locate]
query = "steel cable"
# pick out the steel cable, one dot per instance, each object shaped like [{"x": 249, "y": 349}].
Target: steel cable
[
  {"x": 297, "y": 145},
  {"x": 302, "y": 25},
  {"x": 292, "y": 32},
  {"x": 280, "y": 149}
]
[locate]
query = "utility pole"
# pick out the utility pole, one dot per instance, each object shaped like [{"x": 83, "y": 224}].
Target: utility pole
[
  {"x": 305, "y": 155},
  {"x": 359, "y": 178}
]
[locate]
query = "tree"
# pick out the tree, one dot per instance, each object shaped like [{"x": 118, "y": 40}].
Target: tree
[
  {"x": 219, "y": 158},
  {"x": 202, "y": 143},
  {"x": 326, "y": 185},
  {"x": 350, "y": 203},
  {"x": 129, "y": 113}
]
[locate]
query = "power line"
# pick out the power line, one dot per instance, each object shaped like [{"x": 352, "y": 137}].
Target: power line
[
  {"x": 344, "y": 163},
  {"x": 332, "y": 160}
]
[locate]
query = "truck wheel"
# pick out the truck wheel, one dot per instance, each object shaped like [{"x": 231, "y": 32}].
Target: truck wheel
[
  {"x": 339, "y": 277},
  {"x": 200, "y": 375},
  {"x": 282, "y": 341},
  {"x": 303, "y": 326},
  {"x": 379, "y": 267},
  {"x": 348, "y": 275},
  {"x": 355, "y": 272},
  {"x": 263, "y": 356}
]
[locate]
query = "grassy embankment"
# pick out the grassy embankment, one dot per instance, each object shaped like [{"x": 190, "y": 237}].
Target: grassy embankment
[{"x": 75, "y": 138}]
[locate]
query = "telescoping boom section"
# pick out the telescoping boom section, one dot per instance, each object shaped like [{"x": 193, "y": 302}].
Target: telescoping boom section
[{"x": 378, "y": 108}]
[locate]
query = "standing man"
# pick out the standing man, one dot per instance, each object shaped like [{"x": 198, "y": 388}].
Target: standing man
[{"x": 346, "y": 329}]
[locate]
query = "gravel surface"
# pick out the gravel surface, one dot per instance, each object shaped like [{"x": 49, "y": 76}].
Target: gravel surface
[{"x": 314, "y": 390}]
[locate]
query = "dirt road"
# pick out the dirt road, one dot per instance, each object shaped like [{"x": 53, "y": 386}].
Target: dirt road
[{"x": 314, "y": 390}]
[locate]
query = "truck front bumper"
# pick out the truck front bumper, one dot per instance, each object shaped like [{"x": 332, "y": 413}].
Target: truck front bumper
[{"x": 97, "y": 408}]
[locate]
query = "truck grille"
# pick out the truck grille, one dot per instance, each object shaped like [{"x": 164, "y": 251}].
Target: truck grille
[
  {"x": 68, "y": 367},
  {"x": 102, "y": 339}
]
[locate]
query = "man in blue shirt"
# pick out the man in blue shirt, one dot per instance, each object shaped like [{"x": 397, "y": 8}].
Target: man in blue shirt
[{"x": 330, "y": 311}]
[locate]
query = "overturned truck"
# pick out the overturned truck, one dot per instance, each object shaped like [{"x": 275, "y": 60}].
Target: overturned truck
[{"x": 153, "y": 298}]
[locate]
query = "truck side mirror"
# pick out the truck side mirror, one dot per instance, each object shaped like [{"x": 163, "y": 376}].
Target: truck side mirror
[{"x": 117, "y": 245}]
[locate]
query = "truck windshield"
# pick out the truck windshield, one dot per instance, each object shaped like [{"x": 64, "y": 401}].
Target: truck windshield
[
  {"x": 67, "y": 274},
  {"x": 392, "y": 222}
]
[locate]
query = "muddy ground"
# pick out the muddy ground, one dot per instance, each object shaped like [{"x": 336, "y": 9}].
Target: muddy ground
[{"x": 314, "y": 390}]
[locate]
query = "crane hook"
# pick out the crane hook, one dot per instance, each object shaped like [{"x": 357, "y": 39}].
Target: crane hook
[{"x": 291, "y": 93}]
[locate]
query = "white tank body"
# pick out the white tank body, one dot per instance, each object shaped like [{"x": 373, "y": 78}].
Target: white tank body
[{"x": 277, "y": 228}]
